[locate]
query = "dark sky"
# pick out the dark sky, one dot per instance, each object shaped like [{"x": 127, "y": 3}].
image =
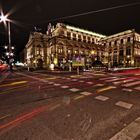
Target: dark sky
[{"x": 30, "y": 13}]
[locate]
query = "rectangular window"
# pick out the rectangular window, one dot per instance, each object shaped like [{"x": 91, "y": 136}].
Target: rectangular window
[
  {"x": 128, "y": 39},
  {"x": 79, "y": 37},
  {"x": 84, "y": 38},
  {"x": 74, "y": 36},
  {"x": 121, "y": 41},
  {"x": 68, "y": 35},
  {"x": 121, "y": 53},
  {"x": 128, "y": 51}
]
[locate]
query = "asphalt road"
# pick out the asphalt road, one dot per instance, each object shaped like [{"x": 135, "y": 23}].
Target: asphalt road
[{"x": 57, "y": 106}]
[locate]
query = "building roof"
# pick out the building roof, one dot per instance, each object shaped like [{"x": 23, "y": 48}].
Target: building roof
[
  {"x": 119, "y": 34},
  {"x": 85, "y": 31}
]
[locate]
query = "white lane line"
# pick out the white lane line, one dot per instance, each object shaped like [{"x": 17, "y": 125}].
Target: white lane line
[
  {"x": 57, "y": 84},
  {"x": 116, "y": 79},
  {"x": 127, "y": 89},
  {"x": 64, "y": 86},
  {"x": 86, "y": 93},
  {"x": 107, "y": 78},
  {"x": 124, "y": 81},
  {"x": 131, "y": 84},
  {"x": 74, "y": 89},
  {"x": 89, "y": 82},
  {"x": 137, "y": 88},
  {"x": 124, "y": 104},
  {"x": 101, "y": 98},
  {"x": 130, "y": 132}
]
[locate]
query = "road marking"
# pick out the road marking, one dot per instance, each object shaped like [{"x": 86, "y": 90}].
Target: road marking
[
  {"x": 106, "y": 88},
  {"x": 131, "y": 84},
  {"x": 51, "y": 78},
  {"x": 107, "y": 78},
  {"x": 54, "y": 107},
  {"x": 137, "y": 88},
  {"x": 13, "y": 89},
  {"x": 85, "y": 93},
  {"x": 64, "y": 86},
  {"x": 14, "y": 83},
  {"x": 79, "y": 97},
  {"x": 101, "y": 98},
  {"x": 98, "y": 85},
  {"x": 3, "y": 117},
  {"x": 130, "y": 132},
  {"x": 74, "y": 80},
  {"x": 75, "y": 76},
  {"x": 116, "y": 79},
  {"x": 50, "y": 83},
  {"x": 124, "y": 104},
  {"x": 89, "y": 82},
  {"x": 74, "y": 89},
  {"x": 68, "y": 78},
  {"x": 57, "y": 84},
  {"x": 127, "y": 89},
  {"x": 124, "y": 81}
]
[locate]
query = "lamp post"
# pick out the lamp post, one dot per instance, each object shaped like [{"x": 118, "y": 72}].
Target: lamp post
[{"x": 9, "y": 53}]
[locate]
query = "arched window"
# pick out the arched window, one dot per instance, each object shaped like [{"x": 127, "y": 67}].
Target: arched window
[{"x": 38, "y": 50}]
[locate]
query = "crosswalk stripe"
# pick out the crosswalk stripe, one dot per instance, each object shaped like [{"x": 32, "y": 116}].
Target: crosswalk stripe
[
  {"x": 74, "y": 89},
  {"x": 116, "y": 79},
  {"x": 107, "y": 78},
  {"x": 74, "y": 79},
  {"x": 85, "y": 93},
  {"x": 89, "y": 82},
  {"x": 137, "y": 88},
  {"x": 127, "y": 89},
  {"x": 131, "y": 84},
  {"x": 130, "y": 132},
  {"x": 124, "y": 104},
  {"x": 81, "y": 81},
  {"x": 124, "y": 81},
  {"x": 64, "y": 86},
  {"x": 57, "y": 84},
  {"x": 98, "y": 85},
  {"x": 101, "y": 98},
  {"x": 50, "y": 83}
]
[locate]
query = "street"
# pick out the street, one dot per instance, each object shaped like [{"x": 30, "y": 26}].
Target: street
[{"x": 57, "y": 106}]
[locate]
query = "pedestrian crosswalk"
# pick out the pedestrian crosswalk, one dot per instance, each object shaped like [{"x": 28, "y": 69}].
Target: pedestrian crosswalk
[{"x": 128, "y": 84}]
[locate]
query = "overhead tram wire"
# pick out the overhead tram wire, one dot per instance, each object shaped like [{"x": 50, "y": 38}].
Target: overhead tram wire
[
  {"x": 95, "y": 11},
  {"x": 80, "y": 14}
]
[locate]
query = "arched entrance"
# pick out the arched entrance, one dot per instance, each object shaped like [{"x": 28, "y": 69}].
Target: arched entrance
[{"x": 39, "y": 63}]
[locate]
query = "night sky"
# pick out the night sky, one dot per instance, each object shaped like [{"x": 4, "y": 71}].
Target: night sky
[{"x": 29, "y": 13}]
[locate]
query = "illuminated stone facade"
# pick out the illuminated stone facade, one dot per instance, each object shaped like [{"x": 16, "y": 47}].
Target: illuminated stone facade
[
  {"x": 123, "y": 49},
  {"x": 66, "y": 45}
]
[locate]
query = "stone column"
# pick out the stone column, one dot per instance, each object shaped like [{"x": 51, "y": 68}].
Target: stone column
[
  {"x": 118, "y": 52},
  {"x": 124, "y": 53}
]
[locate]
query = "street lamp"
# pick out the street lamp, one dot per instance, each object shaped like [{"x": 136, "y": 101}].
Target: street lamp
[{"x": 4, "y": 19}]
